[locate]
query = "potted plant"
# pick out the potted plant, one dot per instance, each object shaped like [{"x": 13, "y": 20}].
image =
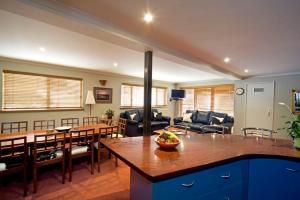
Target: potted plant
[
  {"x": 109, "y": 113},
  {"x": 293, "y": 128}
]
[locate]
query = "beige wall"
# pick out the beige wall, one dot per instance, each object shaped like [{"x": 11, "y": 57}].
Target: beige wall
[
  {"x": 283, "y": 87},
  {"x": 282, "y": 93},
  {"x": 90, "y": 80}
]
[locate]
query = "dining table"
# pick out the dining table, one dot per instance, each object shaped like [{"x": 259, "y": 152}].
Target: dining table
[{"x": 31, "y": 133}]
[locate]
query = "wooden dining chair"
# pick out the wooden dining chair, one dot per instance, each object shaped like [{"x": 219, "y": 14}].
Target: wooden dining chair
[
  {"x": 14, "y": 158},
  {"x": 104, "y": 133},
  {"x": 48, "y": 149},
  {"x": 70, "y": 122},
  {"x": 90, "y": 120},
  {"x": 258, "y": 132},
  {"x": 122, "y": 127},
  {"x": 43, "y": 124},
  {"x": 81, "y": 145},
  {"x": 9, "y": 127}
]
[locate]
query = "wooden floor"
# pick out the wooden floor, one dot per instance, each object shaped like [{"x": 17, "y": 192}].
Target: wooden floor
[{"x": 112, "y": 183}]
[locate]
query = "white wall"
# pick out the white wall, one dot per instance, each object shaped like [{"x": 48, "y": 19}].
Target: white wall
[
  {"x": 282, "y": 93},
  {"x": 90, "y": 80}
]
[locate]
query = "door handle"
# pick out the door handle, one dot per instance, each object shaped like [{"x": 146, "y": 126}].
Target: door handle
[
  {"x": 188, "y": 184},
  {"x": 292, "y": 170},
  {"x": 226, "y": 176}
]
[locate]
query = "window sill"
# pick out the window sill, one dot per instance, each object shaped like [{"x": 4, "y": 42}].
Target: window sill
[{"x": 40, "y": 110}]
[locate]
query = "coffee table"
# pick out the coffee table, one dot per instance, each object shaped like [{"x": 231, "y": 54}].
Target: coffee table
[{"x": 175, "y": 130}]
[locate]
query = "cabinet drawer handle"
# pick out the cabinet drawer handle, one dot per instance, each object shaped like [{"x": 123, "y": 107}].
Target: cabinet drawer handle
[
  {"x": 292, "y": 170},
  {"x": 188, "y": 184},
  {"x": 225, "y": 176}
]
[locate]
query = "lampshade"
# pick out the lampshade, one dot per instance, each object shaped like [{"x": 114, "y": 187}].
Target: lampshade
[{"x": 90, "y": 98}]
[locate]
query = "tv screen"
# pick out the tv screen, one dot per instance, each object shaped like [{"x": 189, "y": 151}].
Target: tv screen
[{"x": 178, "y": 94}]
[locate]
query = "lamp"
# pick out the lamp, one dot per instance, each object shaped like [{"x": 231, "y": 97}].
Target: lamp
[
  {"x": 284, "y": 104},
  {"x": 90, "y": 99}
]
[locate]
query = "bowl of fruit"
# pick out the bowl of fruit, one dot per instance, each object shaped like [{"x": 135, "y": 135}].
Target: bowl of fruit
[{"x": 167, "y": 140}]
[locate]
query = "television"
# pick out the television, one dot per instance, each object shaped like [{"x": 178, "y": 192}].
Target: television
[{"x": 177, "y": 94}]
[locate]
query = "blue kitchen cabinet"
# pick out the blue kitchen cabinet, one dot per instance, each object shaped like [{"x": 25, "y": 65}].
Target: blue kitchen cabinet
[
  {"x": 220, "y": 182},
  {"x": 275, "y": 179}
]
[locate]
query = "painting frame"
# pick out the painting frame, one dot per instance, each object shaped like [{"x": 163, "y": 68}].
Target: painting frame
[
  {"x": 103, "y": 95},
  {"x": 296, "y": 101}
]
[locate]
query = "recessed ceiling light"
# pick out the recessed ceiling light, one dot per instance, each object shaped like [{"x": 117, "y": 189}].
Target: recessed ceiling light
[
  {"x": 42, "y": 49},
  {"x": 115, "y": 64},
  {"x": 227, "y": 60},
  {"x": 246, "y": 70},
  {"x": 148, "y": 17}
]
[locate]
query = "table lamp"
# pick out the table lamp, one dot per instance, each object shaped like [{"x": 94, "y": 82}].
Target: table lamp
[{"x": 90, "y": 100}]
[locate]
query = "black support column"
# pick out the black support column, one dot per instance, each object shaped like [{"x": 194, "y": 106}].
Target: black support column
[{"x": 147, "y": 93}]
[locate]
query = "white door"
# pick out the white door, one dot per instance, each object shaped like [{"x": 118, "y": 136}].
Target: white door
[{"x": 259, "y": 105}]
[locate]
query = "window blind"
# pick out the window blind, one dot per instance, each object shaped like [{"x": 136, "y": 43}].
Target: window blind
[
  {"x": 126, "y": 95},
  {"x": 23, "y": 91},
  {"x": 133, "y": 96},
  {"x": 218, "y": 98},
  {"x": 203, "y": 99},
  {"x": 224, "y": 99},
  {"x": 188, "y": 103}
]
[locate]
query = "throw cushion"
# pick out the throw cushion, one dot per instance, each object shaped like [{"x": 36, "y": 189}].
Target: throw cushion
[
  {"x": 194, "y": 114},
  {"x": 203, "y": 117},
  {"x": 187, "y": 117},
  {"x": 79, "y": 149},
  {"x": 216, "y": 120},
  {"x": 155, "y": 114},
  {"x": 158, "y": 117},
  {"x": 133, "y": 116},
  {"x": 220, "y": 115},
  {"x": 2, "y": 166}
]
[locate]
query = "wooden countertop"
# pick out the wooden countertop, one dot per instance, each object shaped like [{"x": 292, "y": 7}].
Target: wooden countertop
[{"x": 195, "y": 152}]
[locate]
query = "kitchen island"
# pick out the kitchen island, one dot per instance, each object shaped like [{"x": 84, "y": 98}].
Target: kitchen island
[{"x": 210, "y": 167}]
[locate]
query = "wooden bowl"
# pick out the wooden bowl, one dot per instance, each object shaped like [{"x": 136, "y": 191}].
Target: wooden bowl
[{"x": 167, "y": 145}]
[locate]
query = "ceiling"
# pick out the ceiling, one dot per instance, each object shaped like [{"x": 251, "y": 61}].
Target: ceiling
[
  {"x": 22, "y": 37},
  {"x": 260, "y": 35},
  {"x": 190, "y": 38}
]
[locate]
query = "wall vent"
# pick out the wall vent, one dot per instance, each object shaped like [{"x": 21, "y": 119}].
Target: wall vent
[{"x": 259, "y": 89}]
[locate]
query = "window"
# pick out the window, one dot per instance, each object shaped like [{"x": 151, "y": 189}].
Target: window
[
  {"x": 216, "y": 98},
  {"x": 28, "y": 91},
  {"x": 188, "y": 103},
  {"x": 133, "y": 96}
]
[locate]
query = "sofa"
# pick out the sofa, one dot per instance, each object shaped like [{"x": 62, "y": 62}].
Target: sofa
[
  {"x": 135, "y": 124},
  {"x": 201, "y": 118}
]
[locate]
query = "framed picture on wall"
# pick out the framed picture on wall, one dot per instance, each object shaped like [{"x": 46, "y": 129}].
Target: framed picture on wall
[
  {"x": 103, "y": 95},
  {"x": 296, "y": 101}
]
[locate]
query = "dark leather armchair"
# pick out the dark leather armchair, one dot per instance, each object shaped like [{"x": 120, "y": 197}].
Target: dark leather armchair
[
  {"x": 135, "y": 125},
  {"x": 201, "y": 119}
]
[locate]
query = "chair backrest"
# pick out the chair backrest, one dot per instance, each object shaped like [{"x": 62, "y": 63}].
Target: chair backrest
[
  {"x": 213, "y": 129},
  {"x": 90, "y": 120},
  {"x": 43, "y": 124},
  {"x": 9, "y": 127},
  {"x": 70, "y": 122},
  {"x": 14, "y": 151},
  {"x": 122, "y": 125},
  {"x": 46, "y": 143},
  {"x": 107, "y": 131},
  {"x": 258, "y": 132},
  {"x": 81, "y": 137}
]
